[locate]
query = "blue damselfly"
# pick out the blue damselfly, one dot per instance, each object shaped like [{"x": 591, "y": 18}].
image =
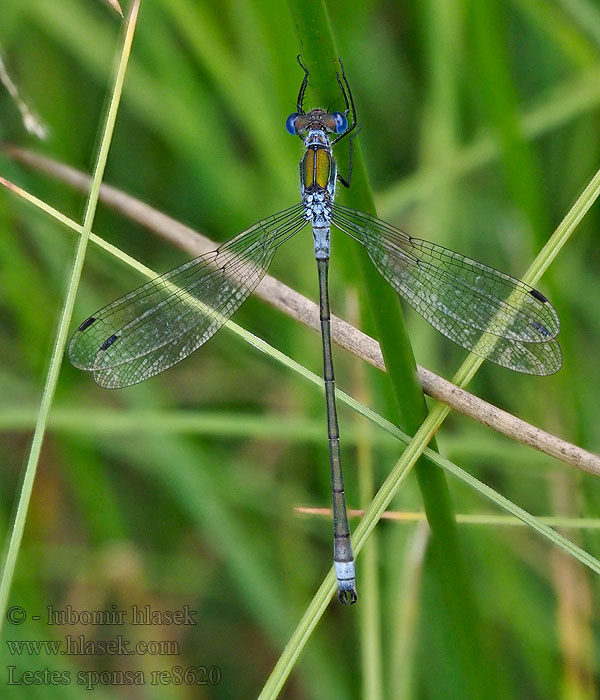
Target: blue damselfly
[{"x": 160, "y": 323}]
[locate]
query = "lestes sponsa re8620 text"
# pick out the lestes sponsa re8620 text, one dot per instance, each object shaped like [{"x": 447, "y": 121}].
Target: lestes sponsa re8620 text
[{"x": 164, "y": 320}]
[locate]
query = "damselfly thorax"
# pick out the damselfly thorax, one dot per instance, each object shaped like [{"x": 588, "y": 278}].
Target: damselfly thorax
[{"x": 318, "y": 171}]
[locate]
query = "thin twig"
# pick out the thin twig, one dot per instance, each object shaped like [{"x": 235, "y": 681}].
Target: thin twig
[
  {"x": 116, "y": 7},
  {"x": 304, "y": 310},
  {"x": 30, "y": 121},
  {"x": 464, "y": 518}
]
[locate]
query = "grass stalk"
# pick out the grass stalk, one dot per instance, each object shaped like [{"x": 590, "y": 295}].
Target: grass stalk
[
  {"x": 474, "y": 672},
  {"x": 418, "y": 444},
  {"x": 563, "y": 105},
  {"x": 370, "y": 608},
  {"x": 18, "y": 527}
]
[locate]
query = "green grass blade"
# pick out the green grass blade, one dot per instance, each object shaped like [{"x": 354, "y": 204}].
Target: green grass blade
[
  {"x": 65, "y": 318},
  {"x": 383, "y": 307},
  {"x": 563, "y": 105},
  {"x": 417, "y": 446}
]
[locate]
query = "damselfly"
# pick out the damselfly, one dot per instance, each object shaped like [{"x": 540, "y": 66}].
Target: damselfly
[{"x": 164, "y": 320}]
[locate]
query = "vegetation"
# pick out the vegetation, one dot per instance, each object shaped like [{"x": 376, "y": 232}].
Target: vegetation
[{"x": 479, "y": 131}]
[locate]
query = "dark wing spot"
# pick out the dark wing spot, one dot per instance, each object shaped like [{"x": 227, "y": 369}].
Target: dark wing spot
[
  {"x": 539, "y": 296},
  {"x": 87, "y": 323},
  {"x": 542, "y": 329},
  {"x": 108, "y": 342}
]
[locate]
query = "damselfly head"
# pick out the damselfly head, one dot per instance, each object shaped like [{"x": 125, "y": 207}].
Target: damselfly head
[{"x": 333, "y": 122}]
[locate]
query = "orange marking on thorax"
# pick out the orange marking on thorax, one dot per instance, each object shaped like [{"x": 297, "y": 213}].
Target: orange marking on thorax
[{"x": 316, "y": 167}]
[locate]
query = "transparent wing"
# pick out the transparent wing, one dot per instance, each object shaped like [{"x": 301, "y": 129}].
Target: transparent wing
[
  {"x": 485, "y": 311},
  {"x": 164, "y": 320}
]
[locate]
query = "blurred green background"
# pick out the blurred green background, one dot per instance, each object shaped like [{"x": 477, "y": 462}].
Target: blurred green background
[{"x": 480, "y": 126}]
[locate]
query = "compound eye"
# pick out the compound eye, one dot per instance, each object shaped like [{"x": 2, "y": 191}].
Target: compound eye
[
  {"x": 340, "y": 121},
  {"x": 290, "y": 124}
]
